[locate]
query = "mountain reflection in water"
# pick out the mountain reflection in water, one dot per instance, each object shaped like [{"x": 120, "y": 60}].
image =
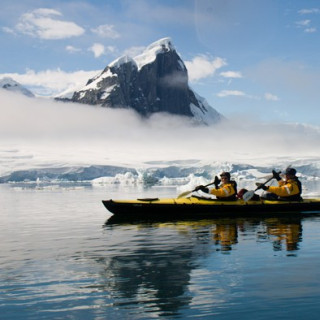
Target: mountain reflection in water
[
  {"x": 59, "y": 261},
  {"x": 156, "y": 269}
]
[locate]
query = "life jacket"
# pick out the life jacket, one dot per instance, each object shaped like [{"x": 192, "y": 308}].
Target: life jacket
[
  {"x": 297, "y": 196},
  {"x": 288, "y": 190},
  {"x": 229, "y": 188}
]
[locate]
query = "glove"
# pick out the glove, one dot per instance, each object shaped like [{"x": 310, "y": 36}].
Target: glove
[
  {"x": 216, "y": 181},
  {"x": 262, "y": 186},
  {"x": 276, "y": 175},
  {"x": 202, "y": 188}
]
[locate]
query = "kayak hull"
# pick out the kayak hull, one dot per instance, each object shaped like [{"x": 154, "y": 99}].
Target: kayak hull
[{"x": 197, "y": 208}]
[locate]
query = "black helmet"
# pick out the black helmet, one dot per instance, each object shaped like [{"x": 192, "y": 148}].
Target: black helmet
[
  {"x": 225, "y": 174},
  {"x": 291, "y": 171}
]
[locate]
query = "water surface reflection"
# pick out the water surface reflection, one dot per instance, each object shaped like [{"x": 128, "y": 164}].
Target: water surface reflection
[
  {"x": 284, "y": 231},
  {"x": 155, "y": 267},
  {"x": 58, "y": 262}
]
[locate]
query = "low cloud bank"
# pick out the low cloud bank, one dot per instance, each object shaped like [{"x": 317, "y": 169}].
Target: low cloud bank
[{"x": 67, "y": 132}]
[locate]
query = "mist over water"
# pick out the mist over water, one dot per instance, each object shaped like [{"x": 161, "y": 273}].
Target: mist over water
[{"x": 41, "y": 132}]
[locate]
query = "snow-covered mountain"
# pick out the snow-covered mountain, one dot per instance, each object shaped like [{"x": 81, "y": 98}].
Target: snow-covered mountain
[
  {"x": 155, "y": 81},
  {"x": 11, "y": 85}
]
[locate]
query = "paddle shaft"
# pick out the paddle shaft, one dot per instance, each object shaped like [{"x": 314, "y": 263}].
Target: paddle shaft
[
  {"x": 264, "y": 184},
  {"x": 187, "y": 192},
  {"x": 207, "y": 185},
  {"x": 248, "y": 195}
]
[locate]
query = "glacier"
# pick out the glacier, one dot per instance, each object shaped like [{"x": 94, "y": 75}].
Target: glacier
[{"x": 183, "y": 175}]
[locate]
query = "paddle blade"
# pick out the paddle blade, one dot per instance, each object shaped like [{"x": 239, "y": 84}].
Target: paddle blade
[
  {"x": 248, "y": 195},
  {"x": 183, "y": 194}
]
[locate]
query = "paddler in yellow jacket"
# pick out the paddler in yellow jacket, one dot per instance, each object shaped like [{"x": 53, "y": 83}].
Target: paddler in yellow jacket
[
  {"x": 288, "y": 189},
  {"x": 225, "y": 191}
]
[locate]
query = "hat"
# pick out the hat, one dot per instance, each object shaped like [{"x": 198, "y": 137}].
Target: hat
[
  {"x": 291, "y": 171},
  {"x": 225, "y": 174}
]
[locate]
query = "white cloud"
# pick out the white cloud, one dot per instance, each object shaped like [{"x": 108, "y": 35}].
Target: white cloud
[
  {"x": 226, "y": 93},
  {"x": 133, "y": 51},
  {"x": 106, "y": 31},
  {"x": 98, "y": 49},
  {"x": 303, "y": 22},
  {"x": 308, "y": 11},
  {"x": 306, "y": 24},
  {"x": 69, "y": 134},
  {"x": 310, "y": 30},
  {"x": 8, "y": 30},
  {"x": 72, "y": 49},
  {"x": 203, "y": 66},
  {"x": 43, "y": 23},
  {"x": 51, "y": 82},
  {"x": 271, "y": 97},
  {"x": 231, "y": 74}
]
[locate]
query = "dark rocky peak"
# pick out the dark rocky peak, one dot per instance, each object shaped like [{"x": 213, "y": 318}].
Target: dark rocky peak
[{"x": 154, "y": 81}]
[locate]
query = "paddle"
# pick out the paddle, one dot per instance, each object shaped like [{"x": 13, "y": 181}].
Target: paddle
[
  {"x": 248, "y": 195},
  {"x": 183, "y": 194}
]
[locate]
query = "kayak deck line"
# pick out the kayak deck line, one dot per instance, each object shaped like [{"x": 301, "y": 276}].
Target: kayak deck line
[{"x": 212, "y": 202}]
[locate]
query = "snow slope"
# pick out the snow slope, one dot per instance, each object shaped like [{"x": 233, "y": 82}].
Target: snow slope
[
  {"x": 150, "y": 53},
  {"x": 11, "y": 85},
  {"x": 105, "y": 83}
]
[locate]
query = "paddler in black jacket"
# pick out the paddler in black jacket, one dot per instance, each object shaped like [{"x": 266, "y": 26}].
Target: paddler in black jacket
[
  {"x": 288, "y": 189},
  {"x": 225, "y": 191}
]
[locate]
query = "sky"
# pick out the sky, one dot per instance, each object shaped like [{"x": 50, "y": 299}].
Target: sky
[{"x": 249, "y": 58}]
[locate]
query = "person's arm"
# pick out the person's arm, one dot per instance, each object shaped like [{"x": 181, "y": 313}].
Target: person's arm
[
  {"x": 284, "y": 190},
  {"x": 222, "y": 192}
]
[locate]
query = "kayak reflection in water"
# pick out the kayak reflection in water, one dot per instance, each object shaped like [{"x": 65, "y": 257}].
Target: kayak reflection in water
[
  {"x": 284, "y": 234},
  {"x": 289, "y": 233},
  {"x": 225, "y": 234},
  {"x": 225, "y": 189}
]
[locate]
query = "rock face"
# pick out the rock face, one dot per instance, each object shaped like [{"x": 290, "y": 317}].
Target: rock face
[
  {"x": 11, "y": 85},
  {"x": 155, "y": 81}
]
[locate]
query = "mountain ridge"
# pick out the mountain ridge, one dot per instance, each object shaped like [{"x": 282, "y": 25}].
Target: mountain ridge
[
  {"x": 8, "y": 83},
  {"x": 154, "y": 81}
]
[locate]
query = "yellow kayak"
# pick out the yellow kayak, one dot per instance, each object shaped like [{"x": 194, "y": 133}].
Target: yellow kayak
[{"x": 195, "y": 207}]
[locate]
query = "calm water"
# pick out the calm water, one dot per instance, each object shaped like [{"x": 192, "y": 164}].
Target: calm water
[{"x": 59, "y": 260}]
